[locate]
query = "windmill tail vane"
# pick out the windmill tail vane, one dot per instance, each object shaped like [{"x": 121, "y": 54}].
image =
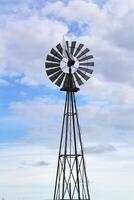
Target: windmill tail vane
[
  {"x": 69, "y": 66},
  {"x": 64, "y": 46}
]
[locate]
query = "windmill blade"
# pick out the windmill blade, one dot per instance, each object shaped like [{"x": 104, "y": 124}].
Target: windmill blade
[
  {"x": 73, "y": 81},
  {"x": 51, "y": 58},
  {"x": 83, "y": 53},
  {"x": 67, "y": 45},
  {"x": 87, "y": 64},
  {"x": 90, "y": 71},
  {"x": 65, "y": 48},
  {"x": 60, "y": 49},
  {"x": 78, "y": 49},
  {"x": 55, "y": 76},
  {"x": 51, "y": 65},
  {"x": 73, "y": 43},
  {"x": 85, "y": 58},
  {"x": 78, "y": 79},
  {"x": 52, "y": 71},
  {"x": 66, "y": 81},
  {"x": 60, "y": 79},
  {"x": 55, "y": 53},
  {"x": 83, "y": 75}
]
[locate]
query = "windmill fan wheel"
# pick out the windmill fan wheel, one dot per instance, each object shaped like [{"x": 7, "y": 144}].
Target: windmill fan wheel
[{"x": 57, "y": 64}]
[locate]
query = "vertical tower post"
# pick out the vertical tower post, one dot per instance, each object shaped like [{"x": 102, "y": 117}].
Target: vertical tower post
[{"x": 71, "y": 178}]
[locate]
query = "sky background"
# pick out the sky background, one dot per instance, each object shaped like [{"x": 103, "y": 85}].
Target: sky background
[{"x": 31, "y": 107}]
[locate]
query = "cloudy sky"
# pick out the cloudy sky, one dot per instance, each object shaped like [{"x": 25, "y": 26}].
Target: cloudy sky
[{"x": 31, "y": 106}]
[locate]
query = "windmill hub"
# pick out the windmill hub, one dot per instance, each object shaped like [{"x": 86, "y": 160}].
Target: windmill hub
[
  {"x": 70, "y": 62},
  {"x": 66, "y": 64}
]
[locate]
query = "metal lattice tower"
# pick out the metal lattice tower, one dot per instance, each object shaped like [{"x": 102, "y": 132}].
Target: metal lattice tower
[{"x": 71, "y": 178}]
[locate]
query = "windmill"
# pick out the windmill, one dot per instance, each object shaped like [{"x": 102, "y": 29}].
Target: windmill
[{"x": 69, "y": 65}]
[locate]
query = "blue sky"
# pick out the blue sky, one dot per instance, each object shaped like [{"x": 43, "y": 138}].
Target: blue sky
[{"x": 30, "y": 120}]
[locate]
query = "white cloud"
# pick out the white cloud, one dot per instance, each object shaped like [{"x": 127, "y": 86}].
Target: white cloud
[
  {"x": 3, "y": 82},
  {"x": 27, "y": 181},
  {"x": 108, "y": 111},
  {"x": 76, "y": 10},
  {"x": 105, "y": 171},
  {"x": 119, "y": 9},
  {"x": 41, "y": 163},
  {"x": 103, "y": 114},
  {"x": 43, "y": 116},
  {"x": 98, "y": 149},
  {"x": 26, "y": 43}
]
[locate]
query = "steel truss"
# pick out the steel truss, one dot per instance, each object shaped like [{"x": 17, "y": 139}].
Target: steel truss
[{"x": 71, "y": 178}]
